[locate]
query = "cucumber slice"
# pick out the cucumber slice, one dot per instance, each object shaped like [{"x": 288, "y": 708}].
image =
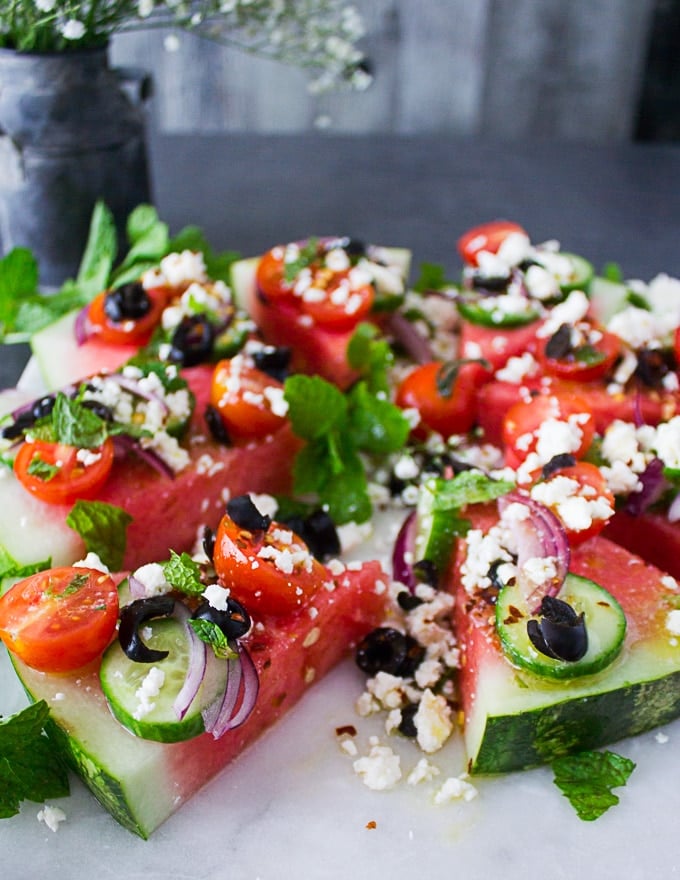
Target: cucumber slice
[
  {"x": 605, "y": 625},
  {"x": 436, "y": 528},
  {"x": 471, "y": 310},
  {"x": 121, "y": 678},
  {"x": 582, "y": 273}
]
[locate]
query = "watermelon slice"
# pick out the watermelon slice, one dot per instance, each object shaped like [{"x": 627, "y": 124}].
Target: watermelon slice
[
  {"x": 167, "y": 512},
  {"x": 142, "y": 782},
  {"x": 515, "y": 719},
  {"x": 496, "y": 344}
]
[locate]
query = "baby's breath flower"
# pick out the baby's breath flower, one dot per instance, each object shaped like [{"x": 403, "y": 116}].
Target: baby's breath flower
[{"x": 72, "y": 29}]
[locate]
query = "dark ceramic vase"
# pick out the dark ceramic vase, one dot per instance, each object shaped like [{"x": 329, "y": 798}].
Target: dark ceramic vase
[{"x": 72, "y": 130}]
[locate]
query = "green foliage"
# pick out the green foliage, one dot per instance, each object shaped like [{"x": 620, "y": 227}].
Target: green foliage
[{"x": 587, "y": 779}]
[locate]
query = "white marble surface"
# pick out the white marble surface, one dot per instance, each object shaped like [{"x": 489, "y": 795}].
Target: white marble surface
[{"x": 292, "y": 806}]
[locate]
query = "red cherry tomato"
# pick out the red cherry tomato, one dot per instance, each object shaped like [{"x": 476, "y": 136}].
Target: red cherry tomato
[
  {"x": 486, "y": 237},
  {"x": 592, "y": 486},
  {"x": 343, "y": 306},
  {"x": 132, "y": 331},
  {"x": 60, "y": 619},
  {"x": 271, "y": 572},
  {"x": 270, "y": 275},
  {"x": 585, "y": 363},
  {"x": 59, "y": 474},
  {"x": 246, "y": 399},
  {"x": 523, "y": 421},
  {"x": 446, "y": 407}
]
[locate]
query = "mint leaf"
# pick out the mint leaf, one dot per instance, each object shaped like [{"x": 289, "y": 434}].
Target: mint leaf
[
  {"x": 314, "y": 405},
  {"x": 587, "y": 779},
  {"x": 29, "y": 767},
  {"x": 217, "y": 264},
  {"x": 370, "y": 356},
  {"x": 210, "y": 633},
  {"x": 377, "y": 425},
  {"x": 43, "y": 470},
  {"x": 99, "y": 254},
  {"x": 612, "y": 272},
  {"x": 18, "y": 282},
  {"x": 103, "y": 528},
  {"x": 10, "y": 568},
  {"x": 432, "y": 277},
  {"x": 76, "y": 425},
  {"x": 184, "y": 574},
  {"x": 307, "y": 255}
]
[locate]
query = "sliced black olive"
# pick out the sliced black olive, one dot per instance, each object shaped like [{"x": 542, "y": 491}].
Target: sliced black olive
[
  {"x": 408, "y": 601},
  {"x": 387, "y": 650},
  {"x": 99, "y": 409},
  {"x": 127, "y": 302},
  {"x": 426, "y": 572},
  {"x": 216, "y": 426},
  {"x": 132, "y": 617},
  {"x": 43, "y": 406},
  {"x": 559, "y": 346},
  {"x": 208, "y": 542},
  {"x": 19, "y": 425},
  {"x": 353, "y": 247},
  {"x": 319, "y": 533},
  {"x": 192, "y": 341},
  {"x": 557, "y": 463},
  {"x": 560, "y": 632},
  {"x": 273, "y": 361},
  {"x": 246, "y": 515},
  {"x": 407, "y": 725},
  {"x": 490, "y": 283},
  {"x": 652, "y": 365},
  {"x": 234, "y": 621},
  {"x": 496, "y": 582}
]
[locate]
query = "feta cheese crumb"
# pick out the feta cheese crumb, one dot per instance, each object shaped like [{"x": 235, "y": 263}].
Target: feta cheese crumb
[
  {"x": 424, "y": 771},
  {"x": 455, "y": 788},
  {"x": 91, "y": 560},
  {"x": 380, "y": 770},
  {"x": 217, "y": 596},
  {"x": 51, "y": 816},
  {"x": 152, "y": 579},
  {"x": 673, "y": 622},
  {"x": 149, "y": 688},
  {"x": 433, "y": 721}
]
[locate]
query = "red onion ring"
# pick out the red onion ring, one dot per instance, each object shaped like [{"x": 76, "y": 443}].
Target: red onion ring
[
  {"x": 416, "y": 345},
  {"x": 402, "y": 569},
  {"x": 126, "y": 443},
  {"x": 239, "y": 697},
  {"x": 132, "y": 386},
  {"x": 541, "y": 535},
  {"x": 250, "y": 689},
  {"x": 654, "y": 484},
  {"x": 198, "y": 659}
]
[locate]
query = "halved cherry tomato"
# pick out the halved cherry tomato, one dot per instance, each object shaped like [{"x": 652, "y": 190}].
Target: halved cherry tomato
[
  {"x": 59, "y": 474},
  {"x": 270, "y": 275},
  {"x": 60, "y": 619},
  {"x": 486, "y": 237},
  {"x": 271, "y": 572},
  {"x": 524, "y": 420},
  {"x": 447, "y": 403},
  {"x": 130, "y": 331},
  {"x": 592, "y": 486},
  {"x": 584, "y": 363},
  {"x": 246, "y": 399},
  {"x": 343, "y": 306}
]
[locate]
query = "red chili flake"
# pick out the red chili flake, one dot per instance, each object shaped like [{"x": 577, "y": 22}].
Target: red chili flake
[{"x": 371, "y": 825}]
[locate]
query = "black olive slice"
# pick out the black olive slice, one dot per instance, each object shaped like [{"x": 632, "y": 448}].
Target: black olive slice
[
  {"x": 132, "y": 617},
  {"x": 559, "y": 345},
  {"x": 246, "y": 515},
  {"x": 318, "y": 532},
  {"x": 208, "y": 542},
  {"x": 234, "y": 621},
  {"x": 407, "y": 725},
  {"x": 127, "y": 302},
  {"x": 387, "y": 650},
  {"x": 273, "y": 361},
  {"x": 560, "y": 632},
  {"x": 192, "y": 341},
  {"x": 557, "y": 463},
  {"x": 216, "y": 426},
  {"x": 426, "y": 572}
]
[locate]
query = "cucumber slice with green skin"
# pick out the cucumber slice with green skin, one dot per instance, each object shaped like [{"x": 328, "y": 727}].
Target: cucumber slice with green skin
[
  {"x": 471, "y": 310},
  {"x": 121, "y": 678},
  {"x": 436, "y": 528},
  {"x": 605, "y": 624},
  {"x": 582, "y": 273}
]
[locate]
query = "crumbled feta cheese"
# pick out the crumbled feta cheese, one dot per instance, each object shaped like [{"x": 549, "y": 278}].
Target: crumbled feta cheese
[
  {"x": 152, "y": 579},
  {"x": 92, "y": 560},
  {"x": 380, "y": 769},
  {"x": 150, "y": 687},
  {"x": 51, "y": 816},
  {"x": 433, "y": 721},
  {"x": 217, "y": 596},
  {"x": 455, "y": 788}
]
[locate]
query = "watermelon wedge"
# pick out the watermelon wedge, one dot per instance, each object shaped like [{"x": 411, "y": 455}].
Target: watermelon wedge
[
  {"x": 515, "y": 719},
  {"x": 142, "y": 782}
]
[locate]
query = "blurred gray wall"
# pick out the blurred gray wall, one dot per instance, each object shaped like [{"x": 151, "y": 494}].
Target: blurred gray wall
[{"x": 500, "y": 68}]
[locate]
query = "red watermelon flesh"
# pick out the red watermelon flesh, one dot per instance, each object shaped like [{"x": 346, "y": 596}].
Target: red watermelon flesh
[
  {"x": 496, "y": 344},
  {"x": 651, "y": 535},
  {"x": 143, "y": 782}
]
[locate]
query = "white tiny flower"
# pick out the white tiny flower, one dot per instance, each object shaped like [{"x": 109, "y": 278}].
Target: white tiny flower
[
  {"x": 73, "y": 29},
  {"x": 144, "y": 8},
  {"x": 45, "y": 5},
  {"x": 171, "y": 43}
]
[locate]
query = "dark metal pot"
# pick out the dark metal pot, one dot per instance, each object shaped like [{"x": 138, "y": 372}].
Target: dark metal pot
[{"x": 72, "y": 130}]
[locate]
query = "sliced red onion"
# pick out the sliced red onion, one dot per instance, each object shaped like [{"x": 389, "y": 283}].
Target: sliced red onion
[
  {"x": 132, "y": 385},
  {"x": 249, "y": 691},
  {"x": 405, "y": 331},
  {"x": 674, "y": 509},
  {"x": 540, "y": 535},
  {"x": 654, "y": 484},
  {"x": 198, "y": 658},
  {"x": 82, "y": 327},
  {"x": 402, "y": 554},
  {"x": 239, "y": 697},
  {"x": 126, "y": 443},
  {"x": 137, "y": 588}
]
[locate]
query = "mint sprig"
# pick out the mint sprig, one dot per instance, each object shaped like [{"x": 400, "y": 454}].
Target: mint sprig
[
  {"x": 184, "y": 574},
  {"x": 29, "y": 767},
  {"x": 337, "y": 429},
  {"x": 587, "y": 779},
  {"x": 210, "y": 633}
]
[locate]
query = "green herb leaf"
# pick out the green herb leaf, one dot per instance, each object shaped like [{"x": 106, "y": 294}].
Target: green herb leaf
[
  {"x": 314, "y": 406},
  {"x": 29, "y": 767},
  {"x": 210, "y": 633},
  {"x": 149, "y": 242},
  {"x": 41, "y": 469},
  {"x": 587, "y": 779},
  {"x": 11, "y": 570},
  {"x": 75, "y": 424},
  {"x": 18, "y": 282},
  {"x": 371, "y": 356},
  {"x": 432, "y": 277},
  {"x": 99, "y": 254},
  {"x": 217, "y": 264},
  {"x": 308, "y": 253},
  {"x": 377, "y": 425},
  {"x": 612, "y": 272},
  {"x": 184, "y": 574},
  {"x": 103, "y": 528}
]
